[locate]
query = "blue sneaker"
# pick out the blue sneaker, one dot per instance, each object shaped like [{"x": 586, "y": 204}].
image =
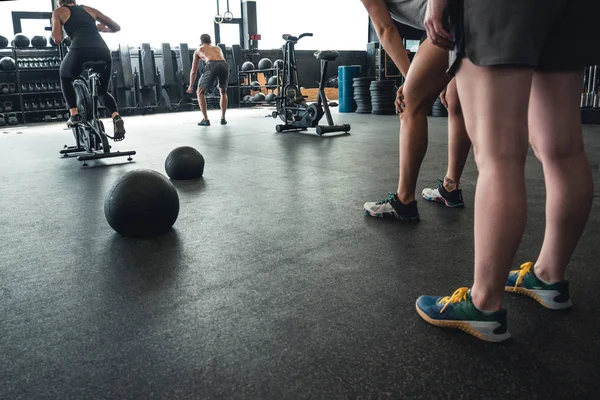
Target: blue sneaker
[
  {"x": 523, "y": 281},
  {"x": 459, "y": 312}
]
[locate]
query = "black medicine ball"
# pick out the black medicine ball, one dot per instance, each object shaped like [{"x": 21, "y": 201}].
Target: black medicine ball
[{"x": 184, "y": 163}]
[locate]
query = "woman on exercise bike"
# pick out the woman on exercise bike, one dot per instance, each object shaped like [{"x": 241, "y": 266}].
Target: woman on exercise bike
[{"x": 83, "y": 25}]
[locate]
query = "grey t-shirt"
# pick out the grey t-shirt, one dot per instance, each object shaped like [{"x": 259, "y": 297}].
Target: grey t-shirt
[{"x": 408, "y": 12}]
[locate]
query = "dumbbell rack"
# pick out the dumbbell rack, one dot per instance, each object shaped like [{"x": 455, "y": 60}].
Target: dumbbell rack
[
  {"x": 249, "y": 76},
  {"x": 590, "y": 96}
]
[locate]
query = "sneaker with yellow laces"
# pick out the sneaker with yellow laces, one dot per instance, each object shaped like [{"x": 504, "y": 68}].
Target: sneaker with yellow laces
[
  {"x": 551, "y": 295},
  {"x": 459, "y": 312}
]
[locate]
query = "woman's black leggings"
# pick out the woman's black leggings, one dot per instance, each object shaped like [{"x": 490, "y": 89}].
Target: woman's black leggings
[{"x": 72, "y": 67}]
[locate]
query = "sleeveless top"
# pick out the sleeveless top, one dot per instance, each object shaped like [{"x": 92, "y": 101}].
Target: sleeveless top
[
  {"x": 408, "y": 12},
  {"x": 81, "y": 28}
]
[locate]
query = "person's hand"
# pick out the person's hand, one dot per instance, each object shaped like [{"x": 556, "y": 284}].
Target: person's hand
[
  {"x": 102, "y": 28},
  {"x": 443, "y": 97},
  {"x": 400, "y": 100},
  {"x": 434, "y": 24},
  {"x": 190, "y": 89}
]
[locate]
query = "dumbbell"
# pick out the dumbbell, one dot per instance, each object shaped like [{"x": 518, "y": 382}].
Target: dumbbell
[
  {"x": 4, "y": 88},
  {"x": 12, "y": 87},
  {"x": 8, "y": 106},
  {"x": 12, "y": 119},
  {"x": 2, "y": 120}
]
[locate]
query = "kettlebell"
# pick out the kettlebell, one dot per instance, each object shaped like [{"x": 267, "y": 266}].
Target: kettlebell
[
  {"x": 42, "y": 104},
  {"x": 47, "y": 118},
  {"x": 12, "y": 87},
  {"x": 48, "y": 105},
  {"x": 56, "y": 104},
  {"x": 8, "y": 106},
  {"x": 5, "y": 89},
  {"x": 12, "y": 119},
  {"x": 27, "y": 106},
  {"x": 38, "y": 87},
  {"x": 57, "y": 86},
  {"x": 31, "y": 87},
  {"x": 34, "y": 106},
  {"x": 2, "y": 120},
  {"x": 24, "y": 88},
  {"x": 44, "y": 86}
]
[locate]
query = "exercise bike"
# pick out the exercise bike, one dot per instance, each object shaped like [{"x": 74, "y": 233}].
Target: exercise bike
[
  {"x": 90, "y": 137},
  {"x": 291, "y": 103}
]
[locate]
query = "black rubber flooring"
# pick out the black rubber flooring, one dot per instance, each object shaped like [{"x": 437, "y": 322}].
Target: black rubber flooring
[{"x": 273, "y": 284}]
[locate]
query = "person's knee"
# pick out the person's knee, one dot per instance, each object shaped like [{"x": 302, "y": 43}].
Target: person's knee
[
  {"x": 201, "y": 91},
  {"x": 416, "y": 102},
  {"x": 223, "y": 92},
  {"x": 548, "y": 151},
  {"x": 454, "y": 107}
]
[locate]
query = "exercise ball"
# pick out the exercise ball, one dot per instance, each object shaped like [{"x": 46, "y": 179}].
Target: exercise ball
[
  {"x": 272, "y": 82},
  {"x": 142, "y": 203},
  {"x": 248, "y": 66},
  {"x": 39, "y": 42},
  {"x": 7, "y": 64},
  {"x": 279, "y": 64},
  {"x": 184, "y": 163},
  {"x": 265, "y": 63},
  {"x": 255, "y": 85},
  {"x": 21, "y": 41},
  {"x": 270, "y": 98},
  {"x": 259, "y": 97},
  {"x": 3, "y": 42}
]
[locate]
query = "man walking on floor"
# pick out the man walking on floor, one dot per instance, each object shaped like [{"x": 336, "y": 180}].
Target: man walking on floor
[{"x": 215, "y": 69}]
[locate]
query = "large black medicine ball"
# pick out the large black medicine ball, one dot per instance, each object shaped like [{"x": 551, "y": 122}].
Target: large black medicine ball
[
  {"x": 3, "y": 42},
  {"x": 248, "y": 66},
  {"x": 184, "y": 163},
  {"x": 21, "y": 41},
  {"x": 265, "y": 63},
  {"x": 142, "y": 203},
  {"x": 39, "y": 42},
  {"x": 7, "y": 64}
]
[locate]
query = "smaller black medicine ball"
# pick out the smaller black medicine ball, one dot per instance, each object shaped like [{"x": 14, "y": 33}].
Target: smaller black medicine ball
[
  {"x": 142, "y": 203},
  {"x": 248, "y": 66},
  {"x": 7, "y": 64},
  {"x": 184, "y": 163}
]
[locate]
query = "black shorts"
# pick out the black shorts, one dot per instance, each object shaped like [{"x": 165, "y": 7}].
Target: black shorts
[
  {"x": 550, "y": 35},
  {"x": 214, "y": 71}
]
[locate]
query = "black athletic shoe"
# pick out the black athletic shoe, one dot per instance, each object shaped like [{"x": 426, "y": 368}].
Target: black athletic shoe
[
  {"x": 393, "y": 208},
  {"x": 223, "y": 121},
  {"x": 204, "y": 122},
  {"x": 74, "y": 120},
  {"x": 119, "y": 128},
  {"x": 439, "y": 194}
]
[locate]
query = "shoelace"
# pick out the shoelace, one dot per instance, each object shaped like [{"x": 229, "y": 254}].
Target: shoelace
[
  {"x": 525, "y": 269},
  {"x": 388, "y": 200},
  {"x": 458, "y": 296}
]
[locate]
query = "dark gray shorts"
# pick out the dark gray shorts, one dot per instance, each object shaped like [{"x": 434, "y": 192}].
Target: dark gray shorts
[
  {"x": 214, "y": 71},
  {"x": 551, "y": 35}
]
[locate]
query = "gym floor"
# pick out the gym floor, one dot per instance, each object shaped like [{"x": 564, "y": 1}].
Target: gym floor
[{"x": 273, "y": 283}]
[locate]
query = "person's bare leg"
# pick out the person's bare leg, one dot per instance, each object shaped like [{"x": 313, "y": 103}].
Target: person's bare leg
[
  {"x": 224, "y": 102},
  {"x": 459, "y": 143},
  {"x": 426, "y": 79},
  {"x": 495, "y": 102},
  {"x": 202, "y": 103},
  {"x": 556, "y": 138}
]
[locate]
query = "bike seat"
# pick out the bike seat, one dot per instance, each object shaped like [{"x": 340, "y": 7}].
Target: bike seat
[
  {"x": 94, "y": 64},
  {"x": 327, "y": 55},
  {"x": 289, "y": 38}
]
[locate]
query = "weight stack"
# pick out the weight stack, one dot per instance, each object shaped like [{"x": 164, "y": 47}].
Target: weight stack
[
  {"x": 383, "y": 95},
  {"x": 346, "y": 75},
  {"x": 438, "y": 109},
  {"x": 362, "y": 95}
]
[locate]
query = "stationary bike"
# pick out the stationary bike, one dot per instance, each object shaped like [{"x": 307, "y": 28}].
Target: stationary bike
[
  {"x": 90, "y": 137},
  {"x": 291, "y": 104}
]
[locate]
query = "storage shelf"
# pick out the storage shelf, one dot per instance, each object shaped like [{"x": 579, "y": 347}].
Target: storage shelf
[
  {"x": 38, "y": 69},
  {"x": 41, "y": 93}
]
